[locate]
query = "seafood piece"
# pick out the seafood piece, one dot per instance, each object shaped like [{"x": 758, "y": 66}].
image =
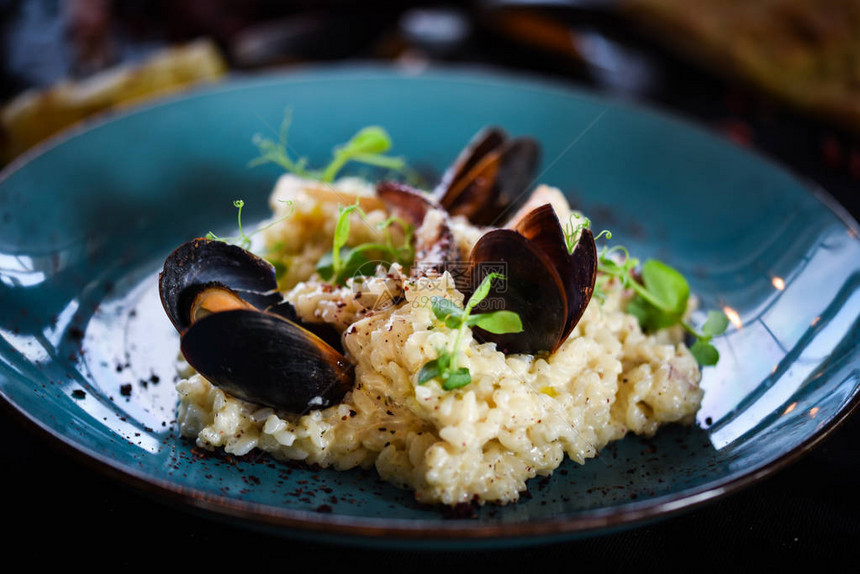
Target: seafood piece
[
  {"x": 292, "y": 189},
  {"x": 435, "y": 246},
  {"x": 266, "y": 359},
  {"x": 577, "y": 268},
  {"x": 405, "y": 201},
  {"x": 238, "y": 332},
  {"x": 201, "y": 263},
  {"x": 490, "y": 178},
  {"x": 547, "y": 286}
]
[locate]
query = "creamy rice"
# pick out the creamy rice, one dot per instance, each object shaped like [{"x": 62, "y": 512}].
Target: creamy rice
[{"x": 517, "y": 419}]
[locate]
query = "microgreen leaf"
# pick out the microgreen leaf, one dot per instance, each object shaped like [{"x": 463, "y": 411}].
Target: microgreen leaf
[
  {"x": 498, "y": 322},
  {"x": 447, "y": 311},
  {"x": 705, "y": 353},
  {"x": 325, "y": 266},
  {"x": 352, "y": 263},
  {"x": 650, "y": 317},
  {"x": 716, "y": 323},
  {"x": 483, "y": 290},
  {"x": 368, "y": 146},
  {"x": 341, "y": 230},
  {"x": 369, "y": 140},
  {"x": 429, "y": 371},
  {"x": 457, "y": 379},
  {"x": 661, "y": 297},
  {"x": 444, "y": 367},
  {"x": 444, "y": 360},
  {"x": 667, "y": 288},
  {"x": 343, "y": 262},
  {"x": 439, "y": 368},
  {"x": 341, "y": 236}
]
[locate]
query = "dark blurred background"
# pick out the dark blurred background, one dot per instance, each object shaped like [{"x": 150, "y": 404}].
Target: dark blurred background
[{"x": 781, "y": 77}]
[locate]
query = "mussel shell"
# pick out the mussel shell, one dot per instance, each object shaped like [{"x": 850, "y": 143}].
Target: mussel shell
[
  {"x": 581, "y": 280},
  {"x": 475, "y": 195},
  {"x": 577, "y": 269},
  {"x": 200, "y": 263},
  {"x": 532, "y": 288},
  {"x": 268, "y": 360},
  {"x": 518, "y": 164},
  {"x": 324, "y": 331},
  {"x": 405, "y": 201},
  {"x": 497, "y": 184},
  {"x": 482, "y": 143}
]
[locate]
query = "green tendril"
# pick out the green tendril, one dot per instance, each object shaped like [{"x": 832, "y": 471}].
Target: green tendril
[{"x": 661, "y": 293}]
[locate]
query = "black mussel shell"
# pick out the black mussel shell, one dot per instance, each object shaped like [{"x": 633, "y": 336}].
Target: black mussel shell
[
  {"x": 577, "y": 269},
  {"x": 518, "y": 163},
  {"x": 546, "y": 285},
  {"x": 324, "y": 331},
  {"x": 268, "y": 360},
  {"x": 482, "y": 143},
  {"x": 532, "y": 288},
  {"x": 491, "y": 177},
  {"x": 581, "y": 280},
  {"x": 201, "y": 263}
]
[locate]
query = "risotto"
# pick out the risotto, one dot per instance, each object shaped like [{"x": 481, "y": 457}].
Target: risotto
[{"x": 519, "y": 415}]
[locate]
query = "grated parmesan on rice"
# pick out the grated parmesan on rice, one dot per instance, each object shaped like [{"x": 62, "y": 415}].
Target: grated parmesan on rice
[{"x": 518, "y": 418}]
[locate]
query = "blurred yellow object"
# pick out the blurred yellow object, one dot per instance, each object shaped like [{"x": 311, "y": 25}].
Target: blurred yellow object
[
  {"x": 803, "y": 52},
  {"x": 37, "y": 114}
]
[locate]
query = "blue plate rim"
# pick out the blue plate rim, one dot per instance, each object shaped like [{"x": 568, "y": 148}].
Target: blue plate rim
[{"x": 445, "y": 530}]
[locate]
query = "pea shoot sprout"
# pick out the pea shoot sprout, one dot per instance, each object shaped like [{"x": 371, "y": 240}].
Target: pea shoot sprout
[
  {"x": 369, "y": 146},
  {"x": 244, "y": 240},
  {"x": 445, "y": 366},
  {"x": 343, "y": 262},
  {"x": 661, "y": 293}
]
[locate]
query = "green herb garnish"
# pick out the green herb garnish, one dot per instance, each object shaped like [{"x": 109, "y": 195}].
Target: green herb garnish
[
  {"x": 661, "y": 296},
  {"x": 369, "y": 146},
  {"x": 702, "y": 350},
  {"x": 444, "y": 366},
  {"x": 243, "y": 240},
  {"x": 343, "y": 262}
]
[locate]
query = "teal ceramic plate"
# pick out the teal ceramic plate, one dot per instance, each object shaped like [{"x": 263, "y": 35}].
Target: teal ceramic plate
[{"x": 87, "y": 354}]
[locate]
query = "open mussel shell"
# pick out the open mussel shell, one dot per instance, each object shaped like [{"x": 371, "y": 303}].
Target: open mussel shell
[
  {"x": 532, "y": 289},
  {"x": 481, "y": 144},
  {"x": 241, "y": 335},
  {"x": 201, "y": 263},
  {"x": 490, "y": 178},
  {"x": 268, "y": 360},
  {"x": 545, "y": 284},
  {"x": 577, "y": 269}
]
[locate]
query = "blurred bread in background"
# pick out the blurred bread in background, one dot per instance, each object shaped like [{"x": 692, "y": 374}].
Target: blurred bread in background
[
  {"x": 36, "y": 114},
  {"x": 805, "y": 53}
]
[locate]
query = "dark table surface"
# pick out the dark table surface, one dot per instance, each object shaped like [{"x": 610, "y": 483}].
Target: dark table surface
[{"x": 61, "y": 510}]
